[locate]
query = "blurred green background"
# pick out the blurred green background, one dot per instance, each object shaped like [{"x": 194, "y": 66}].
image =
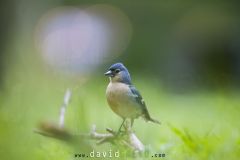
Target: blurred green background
[{"x": 184, "y": 57}]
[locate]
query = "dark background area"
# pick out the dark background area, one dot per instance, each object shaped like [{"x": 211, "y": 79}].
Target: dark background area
[
  {"x": 7, "y": 16},
  {"x": 187, "y": 45}
]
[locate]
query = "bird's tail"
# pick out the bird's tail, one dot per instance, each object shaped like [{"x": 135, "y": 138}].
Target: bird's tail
[
  {"x": 154, "y": 120},
  {"x": 147, "y": 117}
]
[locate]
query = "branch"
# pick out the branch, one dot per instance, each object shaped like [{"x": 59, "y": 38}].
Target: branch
[
  {"x": 63, "y": 109},
  {"x": 126, "y": 139}
]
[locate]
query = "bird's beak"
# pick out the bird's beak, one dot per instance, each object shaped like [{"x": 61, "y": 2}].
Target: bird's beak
[{"x": 109, "y": 73}]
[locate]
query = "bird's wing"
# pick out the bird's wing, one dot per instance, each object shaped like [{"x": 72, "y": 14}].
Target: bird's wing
[
  {"x": 137, "y": 95},
  {"x": 140, "y": 101}
]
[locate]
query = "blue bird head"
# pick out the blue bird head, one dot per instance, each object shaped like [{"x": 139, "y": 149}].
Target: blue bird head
[{"x": 118, "y": 73}]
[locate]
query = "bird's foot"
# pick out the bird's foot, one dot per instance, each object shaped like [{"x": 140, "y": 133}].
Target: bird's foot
[{"x": 120, "y": 133}]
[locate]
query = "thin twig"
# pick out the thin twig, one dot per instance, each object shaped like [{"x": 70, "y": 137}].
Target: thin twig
[{"x": 63, "y": 108}]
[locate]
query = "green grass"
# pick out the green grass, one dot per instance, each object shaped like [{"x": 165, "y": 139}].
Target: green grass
[{"x": 203, "y": 125}]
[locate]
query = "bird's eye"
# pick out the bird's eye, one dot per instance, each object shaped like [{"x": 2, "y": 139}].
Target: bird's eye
[{"x": 117, "y": 70}]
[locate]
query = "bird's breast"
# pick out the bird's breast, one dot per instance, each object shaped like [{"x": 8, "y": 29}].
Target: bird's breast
[
  {"x": 121, "y": 101},
  {"x": 117, "y": 93}
]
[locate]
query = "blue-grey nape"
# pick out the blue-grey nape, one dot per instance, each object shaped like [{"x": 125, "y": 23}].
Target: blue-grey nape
[{"x": 117, "y": 66}]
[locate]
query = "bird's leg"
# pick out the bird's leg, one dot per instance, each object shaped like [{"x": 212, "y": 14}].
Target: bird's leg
[{"x": 119, "y": 130}]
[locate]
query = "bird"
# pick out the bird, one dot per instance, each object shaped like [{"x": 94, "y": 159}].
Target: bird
[{"x": 122, "y": 96}]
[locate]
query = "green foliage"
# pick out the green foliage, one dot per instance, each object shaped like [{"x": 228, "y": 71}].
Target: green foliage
[{"x": 199, "y": 126}]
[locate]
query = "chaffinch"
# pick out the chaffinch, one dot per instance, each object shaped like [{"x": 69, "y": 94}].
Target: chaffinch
[{"x": 123, "y": 98}]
